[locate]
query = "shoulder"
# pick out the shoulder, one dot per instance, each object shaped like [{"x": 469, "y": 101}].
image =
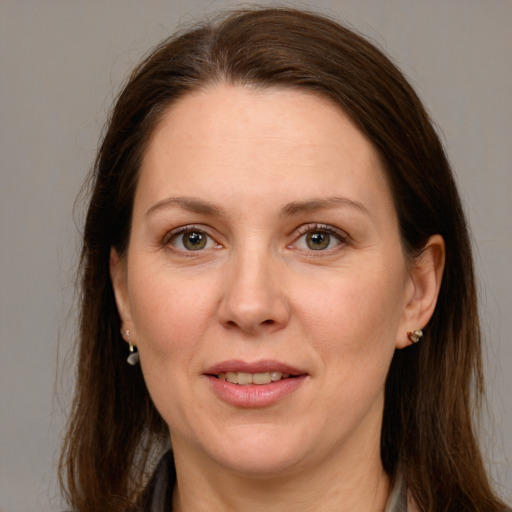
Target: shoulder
[{"x": 401, "y": 500}]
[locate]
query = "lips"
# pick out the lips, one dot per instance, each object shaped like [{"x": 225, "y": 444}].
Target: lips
[
  {"x": 245, "y": 379},
  {"x": 259, "y": 373},
  {"x": 257, "y": 384}
]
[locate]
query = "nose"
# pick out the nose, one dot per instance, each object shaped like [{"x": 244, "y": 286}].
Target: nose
[{"x": 253, "y": 298}]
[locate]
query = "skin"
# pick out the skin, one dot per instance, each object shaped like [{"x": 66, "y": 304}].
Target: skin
[{"x": 272, "y": 166}]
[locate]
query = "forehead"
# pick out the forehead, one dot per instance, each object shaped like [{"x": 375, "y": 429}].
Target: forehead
[{"x": 258, "y": 142}]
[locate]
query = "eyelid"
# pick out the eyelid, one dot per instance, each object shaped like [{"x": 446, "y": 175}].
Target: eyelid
[
  {"x": 341, "y": 235},
  {"x": 173, "y": 233},
  {"x": 317, "y": 226}
]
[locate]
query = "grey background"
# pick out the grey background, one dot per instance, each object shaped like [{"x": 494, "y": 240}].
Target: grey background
[{"x": 61, "y": 64}]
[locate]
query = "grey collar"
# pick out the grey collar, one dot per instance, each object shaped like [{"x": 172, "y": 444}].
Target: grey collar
[{"x": 397, "y": 501}]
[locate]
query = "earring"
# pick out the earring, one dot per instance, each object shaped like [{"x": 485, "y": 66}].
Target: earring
[
  {"x": 415, "y": 336},
  {"x": 133, "y": 357}
]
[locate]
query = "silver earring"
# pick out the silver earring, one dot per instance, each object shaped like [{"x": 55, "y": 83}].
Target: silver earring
[
  {"x": 133, "y": 357},
  {"x": 415, "y": 336}
]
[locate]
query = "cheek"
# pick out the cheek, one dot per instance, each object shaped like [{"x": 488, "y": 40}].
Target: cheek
[
  {"x": 354, "y": 316},
  {"x": 170, "y": 316},
  {"x": 169, "y": 313}
]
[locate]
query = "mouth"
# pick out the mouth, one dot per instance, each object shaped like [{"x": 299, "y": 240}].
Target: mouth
[
  {"x": 259, "y": 379},
  {"x": 259, "y": 373},
  {"x": 254, "y": 384}
]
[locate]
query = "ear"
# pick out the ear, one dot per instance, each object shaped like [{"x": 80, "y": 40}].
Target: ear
[
  {"x": 117, "y": 267},
  {"x": 425, "y": 275}
]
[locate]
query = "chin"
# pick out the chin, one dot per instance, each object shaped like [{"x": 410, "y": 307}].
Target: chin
[
  {"x": 260, "y": 463},
  {"x": 260, "y": 450}
]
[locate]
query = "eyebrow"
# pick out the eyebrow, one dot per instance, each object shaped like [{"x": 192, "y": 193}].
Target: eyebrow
[
  {"x": 313, "y": 205},
  {"x": 293, "y": 208},
  {"x": 191, "y": 204}
]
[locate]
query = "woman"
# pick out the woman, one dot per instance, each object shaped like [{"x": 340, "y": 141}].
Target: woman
[{"x": 275, "y": 233}]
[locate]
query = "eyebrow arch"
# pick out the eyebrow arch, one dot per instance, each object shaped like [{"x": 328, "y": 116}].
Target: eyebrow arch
[
  {"x": 187, "y": 203},
  {"x": 294, "y": 208},
  {"x": 313, "y": 205}
]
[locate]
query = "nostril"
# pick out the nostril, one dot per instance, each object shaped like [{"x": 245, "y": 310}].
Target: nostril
[{"x": 268, "y": 322}]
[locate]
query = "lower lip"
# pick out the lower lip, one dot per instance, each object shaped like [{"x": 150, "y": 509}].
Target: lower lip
[{"x": 255, "y": 395}]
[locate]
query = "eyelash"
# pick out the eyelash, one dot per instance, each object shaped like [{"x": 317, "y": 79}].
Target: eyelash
[
  {"x": 174, "y": 234},
  {"x": 306, "y": 229}
]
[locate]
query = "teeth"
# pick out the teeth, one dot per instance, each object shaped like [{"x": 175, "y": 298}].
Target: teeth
[
  {"x": 261, "y": 378},
  {"x": 244, "y": 378}
]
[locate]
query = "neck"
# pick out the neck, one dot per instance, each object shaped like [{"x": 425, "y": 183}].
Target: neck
[{"x": 357, "y": 484}]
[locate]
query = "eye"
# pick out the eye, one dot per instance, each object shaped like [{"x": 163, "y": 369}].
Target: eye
[
  {"x": 318, "y": 241},
  {"x": 319, "y": 238},
  {"x": 190, "y": 239}
]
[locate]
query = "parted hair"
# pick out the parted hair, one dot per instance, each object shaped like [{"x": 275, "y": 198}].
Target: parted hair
[{"x": 433, "y": 388}]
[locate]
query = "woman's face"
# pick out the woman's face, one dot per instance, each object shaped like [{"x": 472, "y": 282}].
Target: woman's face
[{"x": 265, "y": 284}]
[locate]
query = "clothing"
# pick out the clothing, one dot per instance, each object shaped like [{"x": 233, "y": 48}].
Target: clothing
[{"x": 158, "y": 496}]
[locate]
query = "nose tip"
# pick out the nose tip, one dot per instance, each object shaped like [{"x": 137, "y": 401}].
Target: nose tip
[
  {"x": 253, "y": 301},
  {"x": 249, "y": 321}
]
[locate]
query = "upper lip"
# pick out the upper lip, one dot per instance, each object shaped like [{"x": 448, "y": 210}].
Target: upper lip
[{"x": 261, "y": 366}]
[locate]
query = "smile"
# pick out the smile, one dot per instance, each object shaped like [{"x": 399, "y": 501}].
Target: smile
[
  {"x": 245, "y": 379},
  {"x": 254, "y": 384}
]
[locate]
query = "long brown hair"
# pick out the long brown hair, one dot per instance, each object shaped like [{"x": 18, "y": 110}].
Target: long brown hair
[{"x": 432, "y": 388}]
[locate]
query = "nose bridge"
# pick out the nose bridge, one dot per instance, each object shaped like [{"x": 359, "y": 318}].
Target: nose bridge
[{"x": 253, "y": 298}]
